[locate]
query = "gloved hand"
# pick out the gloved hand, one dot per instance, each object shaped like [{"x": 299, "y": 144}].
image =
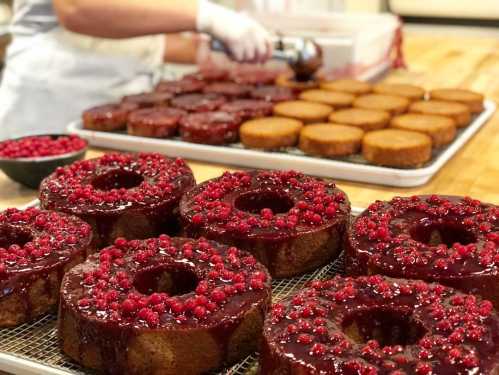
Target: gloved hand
[{"x": 244, "y": 38}]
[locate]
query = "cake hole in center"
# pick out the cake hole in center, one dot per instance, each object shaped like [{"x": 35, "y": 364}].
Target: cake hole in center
[
  {"x": 447, "y": 233},
  {"x": 14, "y": 236},
  {"x": 388, "y": 327},
  {"x": 166, "y": 279},
  {"x": 253, "y": 202},
  {"x": 117, "y": 179}
]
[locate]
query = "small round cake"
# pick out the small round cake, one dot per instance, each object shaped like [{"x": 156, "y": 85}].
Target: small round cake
[
  {"x": 212, "y": 128},
  {"x": 273, "y": 94},
  {"x": 330, "y": 140},
  {"x": 248, "y": 108},
  {"x": 472, "y": 99},
  {"x": 120, "y": 195},
  {"x": 460, "y": 113},
  {"x": 107, "y": 117},
  {"x": 441, "y": 129},
  {"x": 289, "y": 80},
  {"x": 451, "y": 240},
  {"x": 396, "y": 148},
  {"x": 304, "y": 111},
  {"x": 159, "y": 122},
  {"x": 181, "y": 86},
  {"x": 163, "y": 306},
  {"x": 36, "y": 248},
  {"x": 254, "y": 76},
  {"x": 198, "y": 102},
  {"x": 352, "y": 86},
  {"x": 270, "y": 133},
  {"x": 365, "y": 119},
  {"x": 149, "y": 99},
  {"x": 378, "y": 325},
  {"x": 212, "y": 74},
  {"x": 335, "y": 99},
  {"x": 228, "y": 89},
  {"x": 290, "y": 222},
  {"x": 410, "y": 92},
  {"x": 388, "y": 103}
]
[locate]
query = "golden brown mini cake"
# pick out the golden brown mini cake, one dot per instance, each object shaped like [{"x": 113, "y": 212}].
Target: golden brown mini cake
[
  {"x": 288, "y": 80},
  {"x": 460, "y": 113},
  {"x": 396, "y": 148},
  {"x": 304, "y": 111},
  {"x": 330, "y": 139},
  {"x": 270, "y": 132},
  {"x": 472, "y": 99},
  {"x": 334, "y": 98},
  {"x": 352, "y": 86},
  {"x": 389, "y": 103},
  {"x": 410, "y": 92},
  {"x": 365, "y": 119},
  {"x": 441, "y": 129}
]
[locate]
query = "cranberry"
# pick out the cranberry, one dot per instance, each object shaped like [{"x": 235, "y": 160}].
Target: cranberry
[{"x": 40, "y": 146}]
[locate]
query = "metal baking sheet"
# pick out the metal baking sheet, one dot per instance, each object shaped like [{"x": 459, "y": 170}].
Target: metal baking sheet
[
  {"x": 32, "y": 348},
  {"x": 352, "y": 168}
]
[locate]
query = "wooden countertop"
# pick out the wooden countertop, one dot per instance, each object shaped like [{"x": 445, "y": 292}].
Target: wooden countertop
[{"x": 434, "y": 61}]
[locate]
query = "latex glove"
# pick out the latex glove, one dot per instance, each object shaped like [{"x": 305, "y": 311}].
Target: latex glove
[{"x": 244, "y": 38}]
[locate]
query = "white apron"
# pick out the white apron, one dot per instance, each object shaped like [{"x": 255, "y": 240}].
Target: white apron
[{"x": 52, "y": 75}]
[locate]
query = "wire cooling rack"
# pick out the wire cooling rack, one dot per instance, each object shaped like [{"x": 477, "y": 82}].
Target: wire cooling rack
[{"x": 32, "y": 348}]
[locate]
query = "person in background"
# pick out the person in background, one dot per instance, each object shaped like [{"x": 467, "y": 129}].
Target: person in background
[{"x": 61, "y": 61}]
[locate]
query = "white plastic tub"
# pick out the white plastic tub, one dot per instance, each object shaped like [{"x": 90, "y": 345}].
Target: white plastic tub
[{"x": 354, "y": 44}]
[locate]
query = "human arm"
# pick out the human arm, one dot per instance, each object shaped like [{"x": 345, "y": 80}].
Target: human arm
[{"x": 244, "y": 38}]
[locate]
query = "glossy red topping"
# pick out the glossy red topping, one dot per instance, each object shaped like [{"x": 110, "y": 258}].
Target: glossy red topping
[
  {"x": 39, "y": 146},
  {"x": 210, "y": 283},
  {"x": 182, "y": 86},
  {"x": 157, "y": 121},
  {"x": 35, "y": 240},
  {"x": 228, "y": 89},
  {"x": 377, "y": 325},
  {"x": 254, "y": 76},
  {"x": 428, "y": 237},
  {"x": 149, "y": 99},
  {"x": 269, "y": 204},
  {"x": 209, "y": 74},
  {"x": 210, "y": 127},
  {"x": 248, "y": 108},
  {"x": 198, "y": 102},
  {"x": 273, "y": 93},
  {"x": 115, "y": 182}
]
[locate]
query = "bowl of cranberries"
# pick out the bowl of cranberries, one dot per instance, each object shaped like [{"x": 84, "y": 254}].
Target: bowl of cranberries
[{"x": 28, "y": 160}]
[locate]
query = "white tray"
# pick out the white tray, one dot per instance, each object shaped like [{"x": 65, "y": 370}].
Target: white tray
[{"x": 351, "y": 168}]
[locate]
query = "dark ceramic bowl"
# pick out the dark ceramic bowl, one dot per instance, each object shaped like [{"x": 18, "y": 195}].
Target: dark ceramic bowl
[{"x": 31, "y": 171}]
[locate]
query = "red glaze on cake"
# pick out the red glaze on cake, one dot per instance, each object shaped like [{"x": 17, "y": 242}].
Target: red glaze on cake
[
  {"x": 149, "y": 99},
  {"x": 163, "y": 306},
  {"x": 198, "y": 102},
  {"x": 248, "y": 108},
  {"x": 181, "y": 86},
  {"x": 228, "y": 89},
  {"x": 36, "y": 248},
  {"x": 209, "y": 75},
  {"x": 212, "y": 128},
  {"x": 451, "y": 240},
  {"x": 254, "y": 76},
  {"x": 158, "y": 122},
  {"x": 273, "y": 94},
  {"x": 290, "y": 222},
  {"x": 378, "y": 325},
  {"x": 120, "y": 195},
  {"x": 107, "y": 117}
]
